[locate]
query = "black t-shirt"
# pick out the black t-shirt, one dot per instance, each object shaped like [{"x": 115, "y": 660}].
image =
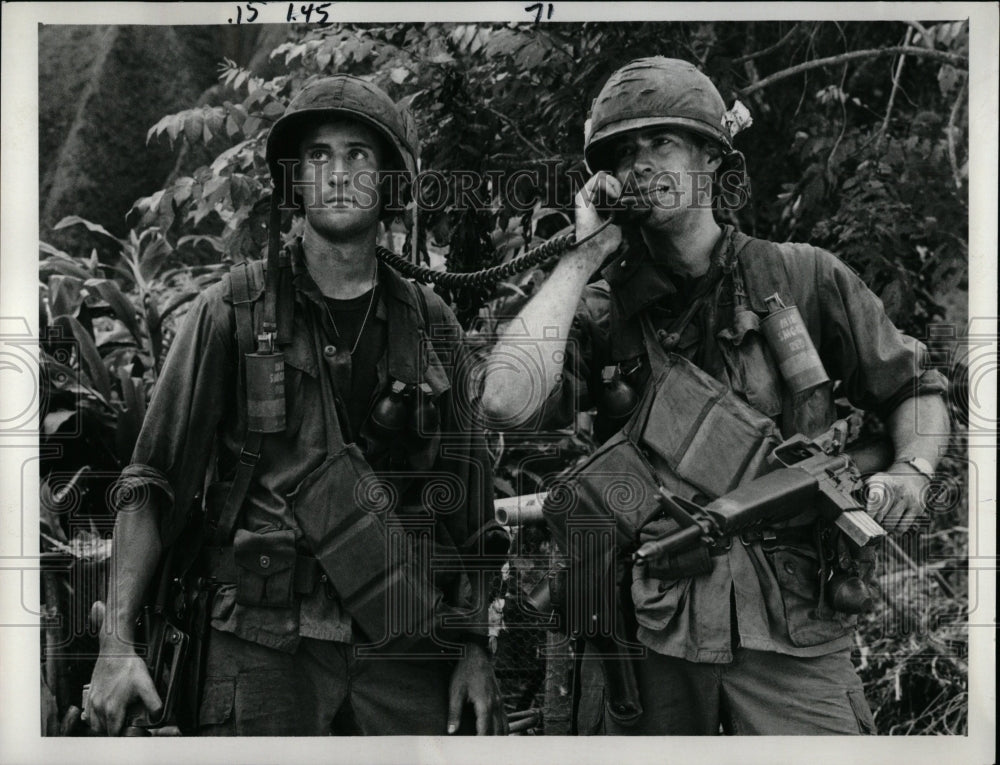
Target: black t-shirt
[{"x": 349, "y": 316}]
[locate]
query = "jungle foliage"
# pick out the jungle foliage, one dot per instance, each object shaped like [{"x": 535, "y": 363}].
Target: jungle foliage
[{"x": 854, "y": 147}]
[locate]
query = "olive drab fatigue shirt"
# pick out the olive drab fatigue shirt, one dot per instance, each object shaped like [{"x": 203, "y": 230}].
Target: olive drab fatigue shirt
[
  {"x": 764, "y": 599},
  {"x": 196, "y": 419}
]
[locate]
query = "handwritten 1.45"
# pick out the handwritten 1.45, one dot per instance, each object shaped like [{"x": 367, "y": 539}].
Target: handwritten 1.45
[{"x": 303, "y": 12}]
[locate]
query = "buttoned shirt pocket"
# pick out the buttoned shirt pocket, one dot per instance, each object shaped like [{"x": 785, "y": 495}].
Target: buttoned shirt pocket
[{"x": 265, "y": 568}]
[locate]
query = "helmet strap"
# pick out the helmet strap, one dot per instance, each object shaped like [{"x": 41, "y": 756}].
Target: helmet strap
[{"x": 733, "y": 161}]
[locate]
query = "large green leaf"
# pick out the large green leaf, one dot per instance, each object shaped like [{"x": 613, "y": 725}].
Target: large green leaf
[
  {"x": 153, "y": 322},
  {"x": 51, "y": 266},
  {"x": 58, "y": 498},
  {"x": 96, "y": 228},
  {"x": 65, "y": 295},
  {"x": 111, "y": 293},
  {"x": 54, "y": 420},
  {"x": 154, "y": 257}
]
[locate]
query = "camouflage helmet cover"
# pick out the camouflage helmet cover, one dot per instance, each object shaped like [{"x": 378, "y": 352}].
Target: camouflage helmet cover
[
  {"x": 655, "y": 91},
  {"x": 344, "y": 95}
]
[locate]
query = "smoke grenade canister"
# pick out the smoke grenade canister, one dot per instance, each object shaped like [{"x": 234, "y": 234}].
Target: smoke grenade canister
[
  {"x": 265, "y": 392},
  {"x": 789, "y": 341}
]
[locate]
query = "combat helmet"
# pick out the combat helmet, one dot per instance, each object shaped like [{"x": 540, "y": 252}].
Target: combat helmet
[
  {"x": 344, "y": 95},
  {"x": 656, "y": 91}
]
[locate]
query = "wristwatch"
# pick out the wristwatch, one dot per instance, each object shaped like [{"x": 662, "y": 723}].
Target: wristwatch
[{"x": 919, "y": 464}]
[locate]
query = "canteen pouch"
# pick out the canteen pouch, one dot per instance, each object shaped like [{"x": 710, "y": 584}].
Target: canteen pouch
[{"x": 265, "y": 568}]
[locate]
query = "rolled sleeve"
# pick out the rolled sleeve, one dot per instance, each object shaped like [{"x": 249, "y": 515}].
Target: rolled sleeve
[
  {"x": 879, "y": 366},
  {"x": 189, "y": 401},
  {"x": 587, "y": 334}
]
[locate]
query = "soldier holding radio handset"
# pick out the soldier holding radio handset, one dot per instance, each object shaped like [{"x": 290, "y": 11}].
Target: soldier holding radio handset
[{"x": 703, "y": 349}]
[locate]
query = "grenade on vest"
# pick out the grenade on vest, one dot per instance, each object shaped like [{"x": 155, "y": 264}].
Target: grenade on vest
[
  {"x": 849, "y": 593},
  {"x": 788, "y": 338},
  {"x": 847, "y": 589},
  {"x": 391, "y": 411},
  {"x": 618, "y": 398},
  {"x": 265, "y": 388}
]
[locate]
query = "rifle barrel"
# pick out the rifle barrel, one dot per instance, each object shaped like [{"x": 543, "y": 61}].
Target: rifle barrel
[
  {"x": 689, "y": 536},
  {"x": 521, "y": 510}
]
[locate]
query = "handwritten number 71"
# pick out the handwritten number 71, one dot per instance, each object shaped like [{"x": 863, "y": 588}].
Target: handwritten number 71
[{"x": 537, "y": 9}]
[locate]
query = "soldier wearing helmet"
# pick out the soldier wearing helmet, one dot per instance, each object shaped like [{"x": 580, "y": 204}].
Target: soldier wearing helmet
[
  {"x": 661, "y": 320},
  {"x": 315, "y": 399}
]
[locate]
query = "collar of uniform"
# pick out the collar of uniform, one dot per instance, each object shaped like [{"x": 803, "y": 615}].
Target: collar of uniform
[
  {"x": 408, "y": 358},
  {"x": 306, "y": 285},
  {"x": 637, "y": 281}
]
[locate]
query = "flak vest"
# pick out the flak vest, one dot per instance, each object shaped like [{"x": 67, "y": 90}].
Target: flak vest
[
  {"x": 689, "y": 433},
  {"x": 350, "y": 523}
]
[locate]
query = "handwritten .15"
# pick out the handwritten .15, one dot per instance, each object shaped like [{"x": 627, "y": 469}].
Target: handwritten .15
[{"x": 303, "y": 13}]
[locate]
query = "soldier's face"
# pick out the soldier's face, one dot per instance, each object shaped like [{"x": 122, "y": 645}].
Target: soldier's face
[
  {"x": 674, "y": 171},
  {"x": 338, "y": 178}
]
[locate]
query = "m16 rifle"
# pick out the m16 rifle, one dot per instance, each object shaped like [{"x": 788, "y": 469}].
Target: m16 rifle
[
  {"x": 169, "y": 631},
  {"x": 808, "y": 476}
]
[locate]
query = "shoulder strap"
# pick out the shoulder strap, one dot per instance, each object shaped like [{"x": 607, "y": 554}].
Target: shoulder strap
[
  {"x": 221, "y": 528},
  {"x": 433, "y": 313},
  {"x": 765, "y": 268},
  {"x": 427, "y": 307}
]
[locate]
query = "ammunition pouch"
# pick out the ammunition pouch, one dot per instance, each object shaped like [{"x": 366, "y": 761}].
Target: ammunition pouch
[
  {"x": 265, "y": 568},
  {"x": 690, "y": 435},
  {"x": 222, "y": 568},
  {"x": 374, "y": 578},
  {"x": 700, "y": 437}
]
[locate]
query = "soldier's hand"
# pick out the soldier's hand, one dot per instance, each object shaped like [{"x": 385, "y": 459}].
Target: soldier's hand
[
  {"x": 473, "y": 682},
  {"x": 120, "y": 681},
  {"x": 588, "y": 220},
  {"x": 897, "y": 499}
]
